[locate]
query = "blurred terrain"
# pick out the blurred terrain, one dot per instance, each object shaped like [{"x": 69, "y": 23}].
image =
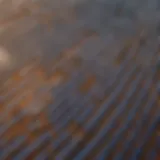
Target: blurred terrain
[
  {"x": 83, "y": 81},
  {"x": 38, "y": 27}
]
